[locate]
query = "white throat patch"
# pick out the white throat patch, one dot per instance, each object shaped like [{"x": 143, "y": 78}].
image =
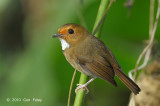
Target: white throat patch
[{"x": 64, "y": 44}]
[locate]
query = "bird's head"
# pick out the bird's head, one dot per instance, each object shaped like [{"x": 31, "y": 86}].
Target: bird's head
[{"x": 71, "y": 34}]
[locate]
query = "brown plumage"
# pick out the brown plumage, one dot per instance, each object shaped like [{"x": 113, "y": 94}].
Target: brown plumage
[{"x": 90, "y": 56}]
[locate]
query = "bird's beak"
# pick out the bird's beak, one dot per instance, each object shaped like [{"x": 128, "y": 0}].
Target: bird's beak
[{"x": 56, "y": 35}]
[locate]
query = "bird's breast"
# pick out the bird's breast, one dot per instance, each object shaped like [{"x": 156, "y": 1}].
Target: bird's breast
[{"x": 72, "y": 59}]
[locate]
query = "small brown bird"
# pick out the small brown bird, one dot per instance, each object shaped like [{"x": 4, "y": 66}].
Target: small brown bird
[{"x": 90, "y": 56}]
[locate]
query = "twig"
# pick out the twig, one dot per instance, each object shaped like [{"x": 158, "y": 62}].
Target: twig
[
  {"x": 147, "y": 50},
  {"x": 99, "y": 20},
  {"x": 151, "y": 17},
  {"x": 71, "y": 86}
]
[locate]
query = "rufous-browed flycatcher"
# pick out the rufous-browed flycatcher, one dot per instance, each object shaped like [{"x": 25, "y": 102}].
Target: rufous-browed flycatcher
[{"x": 90, "y": 56}]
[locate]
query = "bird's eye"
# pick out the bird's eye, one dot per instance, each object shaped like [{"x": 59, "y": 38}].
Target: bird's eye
[{"x": 70, "y": 31}]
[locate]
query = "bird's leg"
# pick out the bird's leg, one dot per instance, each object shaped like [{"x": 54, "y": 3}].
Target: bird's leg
[{"x": 84, "y": 86}]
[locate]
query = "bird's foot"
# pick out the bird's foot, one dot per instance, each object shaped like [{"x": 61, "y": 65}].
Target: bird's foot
[{"x": 80, "y": 86}]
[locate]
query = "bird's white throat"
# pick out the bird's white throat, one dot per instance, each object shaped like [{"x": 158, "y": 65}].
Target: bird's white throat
[{"x": 64, "y": 44}]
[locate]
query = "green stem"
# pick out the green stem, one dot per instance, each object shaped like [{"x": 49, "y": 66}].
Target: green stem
[
  {"x": 83, "y": 78},
  {"x": 101, "y": 11},
  {"x": 80, "y": 93}
]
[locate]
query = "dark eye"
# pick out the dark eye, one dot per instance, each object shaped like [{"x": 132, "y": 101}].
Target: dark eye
[{"x": 70, "y": 31}]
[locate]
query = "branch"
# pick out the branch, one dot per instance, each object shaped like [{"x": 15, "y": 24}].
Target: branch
[
  {"x": 147, "y": 50},
  {"x": 71, "y": 86}
]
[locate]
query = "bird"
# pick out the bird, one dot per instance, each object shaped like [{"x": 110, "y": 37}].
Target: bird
[{"x": 91, "y": 56}]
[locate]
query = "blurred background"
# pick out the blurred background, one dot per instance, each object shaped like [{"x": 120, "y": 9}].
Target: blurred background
[{"x": 32, "y": 64}]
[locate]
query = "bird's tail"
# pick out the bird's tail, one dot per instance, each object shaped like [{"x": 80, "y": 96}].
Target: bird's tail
[{"x": 127, "y": 81}]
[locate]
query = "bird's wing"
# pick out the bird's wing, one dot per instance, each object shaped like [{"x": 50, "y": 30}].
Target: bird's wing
[
  {"x": 99, "y": 67},
  {"x": 112, "y": 58}
]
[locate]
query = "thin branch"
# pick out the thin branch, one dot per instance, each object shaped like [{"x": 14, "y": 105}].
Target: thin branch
[
  {"x": 151, "y": 17},
  {"x": 149, "y": 46},
  {"x": 97, "y": 23},
  {"x": 71, "y": 86},
  {"x": 147, "y": 50}
]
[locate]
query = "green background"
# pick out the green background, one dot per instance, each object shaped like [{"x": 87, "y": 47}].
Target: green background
[{"x": 32, "y": 64}]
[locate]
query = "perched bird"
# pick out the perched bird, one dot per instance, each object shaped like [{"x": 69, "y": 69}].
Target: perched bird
[{"x": 90, "y": 56}]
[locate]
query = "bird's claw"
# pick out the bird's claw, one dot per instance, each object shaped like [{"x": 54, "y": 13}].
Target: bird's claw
[{"x": 83, "y": 87}]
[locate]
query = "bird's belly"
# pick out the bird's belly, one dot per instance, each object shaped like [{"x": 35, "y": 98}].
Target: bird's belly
[{"x": 74, "y": 64}]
